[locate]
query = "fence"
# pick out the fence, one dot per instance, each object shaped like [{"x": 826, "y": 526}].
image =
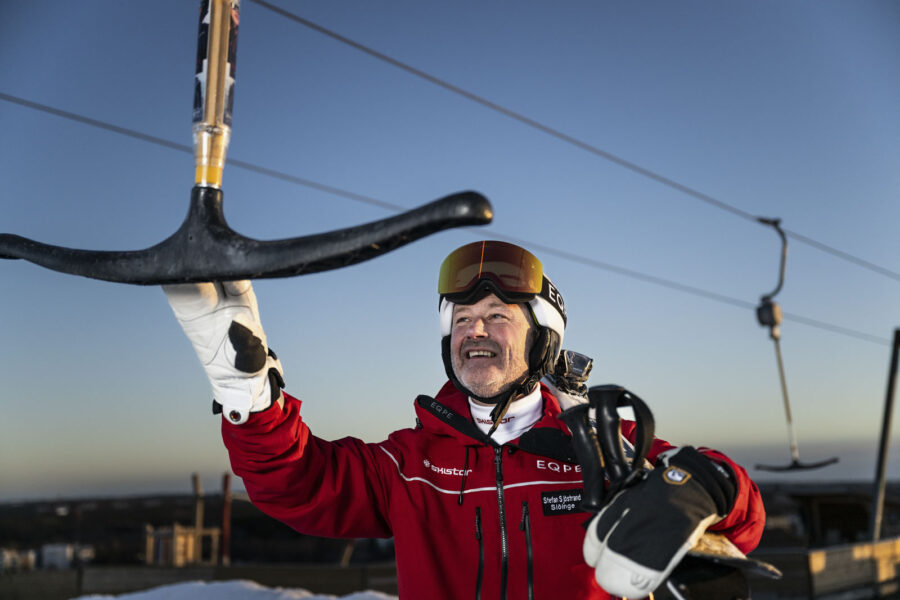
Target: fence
[{"x": 848, "y": 572}]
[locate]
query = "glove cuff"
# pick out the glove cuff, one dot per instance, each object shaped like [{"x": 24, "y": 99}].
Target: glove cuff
[{"x": 716, "y": 478}]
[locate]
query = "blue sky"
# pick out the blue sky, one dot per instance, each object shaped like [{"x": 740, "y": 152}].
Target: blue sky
[{"x": 787, "y": 110}]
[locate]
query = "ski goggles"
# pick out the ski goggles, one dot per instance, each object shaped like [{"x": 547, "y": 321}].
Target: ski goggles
[{"x": 512, "y": 273}]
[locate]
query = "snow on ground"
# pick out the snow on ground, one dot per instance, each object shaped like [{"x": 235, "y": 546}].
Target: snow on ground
[{"x": 232, "y": 590}]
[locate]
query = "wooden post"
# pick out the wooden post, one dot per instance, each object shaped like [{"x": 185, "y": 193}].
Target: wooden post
[
  {"x": 225, "y": 546},
  {"x": 198, "y": 520},
  {"x": 149, "y": 545}
]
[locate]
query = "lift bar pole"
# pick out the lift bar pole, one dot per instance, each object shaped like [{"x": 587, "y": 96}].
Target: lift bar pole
[{"x": 792, "y": 436}]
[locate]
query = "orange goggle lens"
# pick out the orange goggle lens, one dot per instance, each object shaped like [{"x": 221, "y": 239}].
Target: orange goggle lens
[{"x": 512, "y": 269}]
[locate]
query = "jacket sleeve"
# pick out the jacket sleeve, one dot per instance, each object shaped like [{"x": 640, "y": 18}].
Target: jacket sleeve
[
  {"x": 329, "y": 489},
  {"x": 744, "y": 524}
]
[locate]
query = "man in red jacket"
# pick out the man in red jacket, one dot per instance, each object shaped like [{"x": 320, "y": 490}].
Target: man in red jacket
[{"x": 483, "y": 497}]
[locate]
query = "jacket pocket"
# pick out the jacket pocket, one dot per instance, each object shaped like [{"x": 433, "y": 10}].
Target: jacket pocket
[
  {"x": 480, "y": 538},
  {"x": 525, "y": 526}
]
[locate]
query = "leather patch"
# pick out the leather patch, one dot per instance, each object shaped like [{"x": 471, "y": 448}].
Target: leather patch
[
  {"x": 675, "y": 476},
  {"x": 250, "y": 356}
]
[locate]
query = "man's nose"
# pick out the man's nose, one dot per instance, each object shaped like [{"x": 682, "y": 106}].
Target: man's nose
[{"x": 477, "y": 329}]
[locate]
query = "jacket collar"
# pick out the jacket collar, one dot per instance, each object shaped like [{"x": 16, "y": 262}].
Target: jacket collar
[{"x": 448, "y": 414}]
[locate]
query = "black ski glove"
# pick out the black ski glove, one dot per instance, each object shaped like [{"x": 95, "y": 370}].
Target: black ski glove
[{"x": 636, "y": 541}]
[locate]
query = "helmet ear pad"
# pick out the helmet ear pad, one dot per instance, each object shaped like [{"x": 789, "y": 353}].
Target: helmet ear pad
[
  {"x": 448, "y": 364},
  {"x": 544, "y": 351}
]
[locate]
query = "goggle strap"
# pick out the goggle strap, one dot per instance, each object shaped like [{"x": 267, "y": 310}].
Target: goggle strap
[{"x": 484, "y": 287}]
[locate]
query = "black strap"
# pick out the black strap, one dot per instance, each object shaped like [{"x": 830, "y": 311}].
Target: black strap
[
  {"x": 452, "y": 418},
  {"x": 548, "y": 442}
]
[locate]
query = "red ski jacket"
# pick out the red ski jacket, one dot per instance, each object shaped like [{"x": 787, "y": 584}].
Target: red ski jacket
[{"x": 469, "y": 519}]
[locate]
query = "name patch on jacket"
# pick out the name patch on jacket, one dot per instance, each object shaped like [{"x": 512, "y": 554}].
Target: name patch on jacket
[{"x": 561, "y": 502}]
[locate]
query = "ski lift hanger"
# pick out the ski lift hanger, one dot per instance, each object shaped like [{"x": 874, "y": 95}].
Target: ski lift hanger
[
  {"x": 768, "y": 313},
  {"x": 205, "y": 248}
]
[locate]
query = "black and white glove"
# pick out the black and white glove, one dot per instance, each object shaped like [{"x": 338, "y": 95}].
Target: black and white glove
[
  {"x": 636, "y": 541},
  {"x": 222, "y": 322}
]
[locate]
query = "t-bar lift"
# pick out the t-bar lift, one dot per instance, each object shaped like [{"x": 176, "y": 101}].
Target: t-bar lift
[{"x": 205, "y": 248}]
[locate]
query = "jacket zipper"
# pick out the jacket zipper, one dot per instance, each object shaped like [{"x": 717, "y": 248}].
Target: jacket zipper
[
  {"x": 480, "y": 553},
  {"x": 501, "y": 506},
  {"x": 526, "y": 527}
]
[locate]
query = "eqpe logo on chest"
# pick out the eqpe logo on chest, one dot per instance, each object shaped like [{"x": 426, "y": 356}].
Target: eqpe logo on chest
[{"x": 549, "y": 465}]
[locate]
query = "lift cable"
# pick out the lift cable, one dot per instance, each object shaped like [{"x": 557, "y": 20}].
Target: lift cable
[
  {"x": 618, "y": 160},
  {"x": 570, "y": 256},
  {"x": 689, "y": 289},
  {"x": 152, "y": 139}
]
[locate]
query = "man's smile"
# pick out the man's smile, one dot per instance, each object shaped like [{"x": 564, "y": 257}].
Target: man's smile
[{"x": 480, "y": 353}]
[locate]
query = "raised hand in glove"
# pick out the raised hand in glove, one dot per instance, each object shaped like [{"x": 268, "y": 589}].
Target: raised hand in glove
[
  {"x": 636, "y": 541},
  {"x": 222, "y": 322}
]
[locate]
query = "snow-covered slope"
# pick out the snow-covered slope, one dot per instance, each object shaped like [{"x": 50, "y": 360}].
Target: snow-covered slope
[{"x": 232, "y": 590}]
